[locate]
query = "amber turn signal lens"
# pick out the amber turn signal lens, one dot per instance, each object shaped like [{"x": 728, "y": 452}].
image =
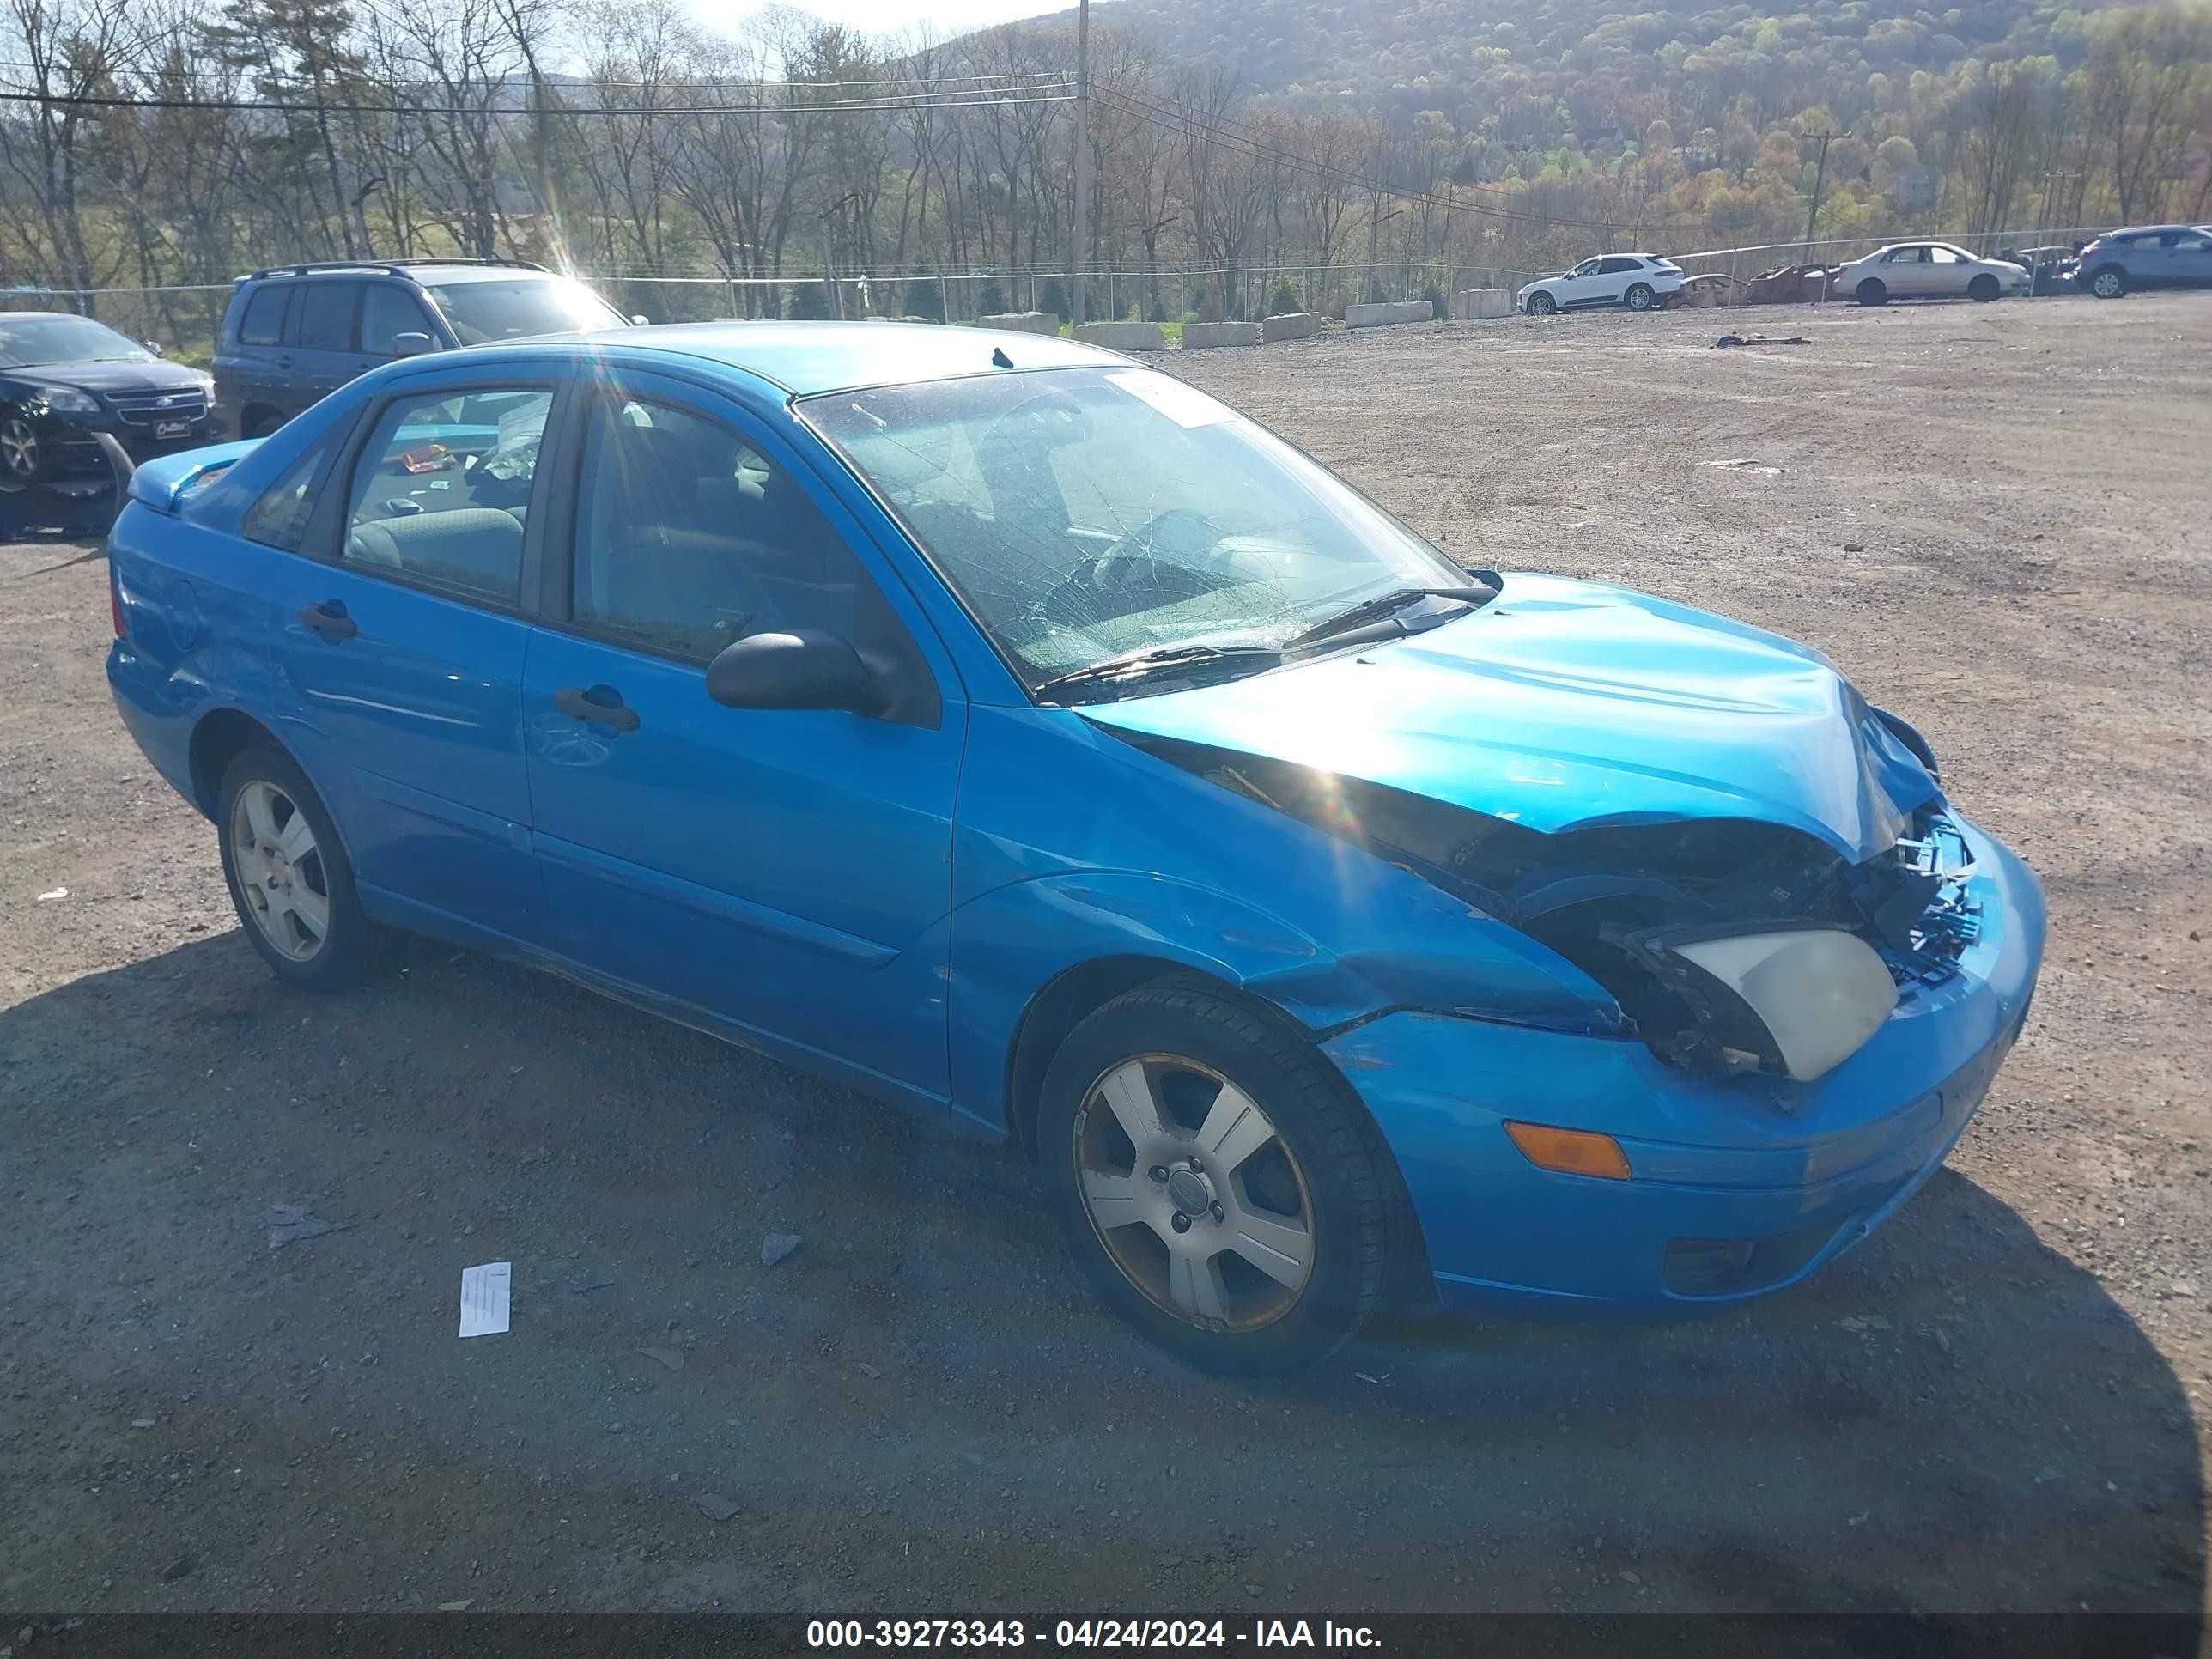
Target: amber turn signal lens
[{"x": 1570, "y": 1151}]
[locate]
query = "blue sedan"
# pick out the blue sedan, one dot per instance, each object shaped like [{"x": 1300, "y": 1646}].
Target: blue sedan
[{"x": 1013, "y": 732}]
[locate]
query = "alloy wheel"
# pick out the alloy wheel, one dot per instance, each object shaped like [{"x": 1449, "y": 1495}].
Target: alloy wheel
[
  {"x": 1196, "y": 1198},
  {"x": 19, "y": 448},
  {"x": 280, "y": 870}
]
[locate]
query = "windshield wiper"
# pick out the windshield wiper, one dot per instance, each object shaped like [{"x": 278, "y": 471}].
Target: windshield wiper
[
  {"x": 1137, "y": 664},
  {"x": 1381, "y": 605}
]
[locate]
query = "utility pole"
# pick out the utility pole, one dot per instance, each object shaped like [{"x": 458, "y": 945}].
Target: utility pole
[
  {"x": 1079, "y": 237},
  {"x": 1819, "y": 177},
  {"x": 829, "y": 271}
]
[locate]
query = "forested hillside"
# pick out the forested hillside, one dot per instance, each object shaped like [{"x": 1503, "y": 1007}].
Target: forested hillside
[{"x": 1243, "y": 152}]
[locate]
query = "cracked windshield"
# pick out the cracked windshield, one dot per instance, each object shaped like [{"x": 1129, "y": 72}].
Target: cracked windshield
[{"x": 1093, "y": 517}]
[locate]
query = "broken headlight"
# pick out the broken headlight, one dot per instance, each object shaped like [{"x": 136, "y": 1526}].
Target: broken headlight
[{"x": 1792, "y": 999}]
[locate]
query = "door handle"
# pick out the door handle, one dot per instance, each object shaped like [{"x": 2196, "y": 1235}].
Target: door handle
[
  {"x": 330, "y": 620},
  {"x": 579, "y": 705}
]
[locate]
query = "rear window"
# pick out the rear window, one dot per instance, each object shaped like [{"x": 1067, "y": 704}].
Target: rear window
[{"x": 264, "y": 321}]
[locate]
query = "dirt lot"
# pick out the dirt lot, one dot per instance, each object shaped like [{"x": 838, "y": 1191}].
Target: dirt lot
[{"x": 1995, "y": 518}]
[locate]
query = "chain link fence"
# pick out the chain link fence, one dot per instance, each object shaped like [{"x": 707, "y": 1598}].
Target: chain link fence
[{"x": 183, "y": 320}]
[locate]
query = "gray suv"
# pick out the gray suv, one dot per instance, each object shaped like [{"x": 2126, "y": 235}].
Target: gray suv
[
  {"x": 296, "y": 333},
  {"x": 2146, "y": 256}
]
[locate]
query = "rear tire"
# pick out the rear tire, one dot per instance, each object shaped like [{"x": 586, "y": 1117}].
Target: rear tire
[
  {"x": 1872, "y": 292},
  {"x": 1218, "y": 1181},
  {"x": 288, "y": 874},
  {"x": 1638, "y": 297},
  {"x": 2109, "y": 283},
  {"x": 260, "y": 423},
  {"x": 1541, "y": 305},
  {"x": 1982, "y": 288}
]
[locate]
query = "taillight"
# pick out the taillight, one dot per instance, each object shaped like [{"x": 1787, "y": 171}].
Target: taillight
[{"x": 114, "y": 597}]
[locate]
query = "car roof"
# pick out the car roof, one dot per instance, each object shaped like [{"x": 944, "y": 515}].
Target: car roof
[{"x": 804, "y": 359}]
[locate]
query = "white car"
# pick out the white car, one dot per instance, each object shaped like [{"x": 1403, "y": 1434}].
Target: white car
[
  {"x": 1636, "y": 281},
  {"x": 1926, "y": 271}
]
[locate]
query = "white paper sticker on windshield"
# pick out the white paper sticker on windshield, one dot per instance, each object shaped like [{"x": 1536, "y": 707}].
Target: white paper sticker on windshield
[{"x": 1185, "y": 406}]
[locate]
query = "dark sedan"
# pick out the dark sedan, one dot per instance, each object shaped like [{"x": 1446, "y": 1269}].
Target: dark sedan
[{"x": 63, "y": 378}]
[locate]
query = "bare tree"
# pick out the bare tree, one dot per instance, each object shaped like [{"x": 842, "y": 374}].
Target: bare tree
[{"x": 71, "y": 50}]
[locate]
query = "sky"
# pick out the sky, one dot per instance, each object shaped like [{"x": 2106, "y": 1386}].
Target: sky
[{"x": 887, "y": 16}]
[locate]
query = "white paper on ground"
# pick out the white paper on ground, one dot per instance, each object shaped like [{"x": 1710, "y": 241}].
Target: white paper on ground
[{"x": 484, "y": 1298}]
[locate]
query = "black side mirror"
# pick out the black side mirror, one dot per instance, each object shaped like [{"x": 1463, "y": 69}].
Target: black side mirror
[{"x": 802, "y": 669}]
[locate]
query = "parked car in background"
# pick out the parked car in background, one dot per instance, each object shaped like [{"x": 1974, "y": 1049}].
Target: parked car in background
[
  {"x": 1636, "y": 282},
  {"x": 1926, "y": 271},
  {"x": 2146, "y": 256},
  {"x": 2051, "y": 268},
  {"x": 63, "y": 378},
  {"x": 295, "y": 334},
  {"x": 1013, "y": 731}
]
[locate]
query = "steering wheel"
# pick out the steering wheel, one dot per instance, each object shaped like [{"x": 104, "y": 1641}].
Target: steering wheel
[{"x": 1183, "y": 534}]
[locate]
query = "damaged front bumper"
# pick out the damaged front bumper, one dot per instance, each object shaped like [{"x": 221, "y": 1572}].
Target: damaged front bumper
[{"x": 1737, "y": 1186}]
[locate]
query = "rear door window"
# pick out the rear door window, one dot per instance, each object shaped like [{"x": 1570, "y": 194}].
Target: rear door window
[
  {"x": 323, "y": 320},
  {"x": 441, "y": 490},
  {"x": 264, "y": 321}
]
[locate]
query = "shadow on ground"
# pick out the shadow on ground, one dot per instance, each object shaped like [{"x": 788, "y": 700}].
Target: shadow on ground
[{"x": 921, "y": 1401}]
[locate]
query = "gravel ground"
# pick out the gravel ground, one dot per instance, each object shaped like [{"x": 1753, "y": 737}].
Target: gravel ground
[{"x": 1994, "y": 517}]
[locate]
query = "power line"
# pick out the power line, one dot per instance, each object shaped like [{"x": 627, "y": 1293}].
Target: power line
[
  {"x": 1051, "y": 78},
  {"x": 280, "y": 106}
]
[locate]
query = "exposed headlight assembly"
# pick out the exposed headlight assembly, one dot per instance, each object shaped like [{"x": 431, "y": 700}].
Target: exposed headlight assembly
[{"x": 1794, "y": 999}]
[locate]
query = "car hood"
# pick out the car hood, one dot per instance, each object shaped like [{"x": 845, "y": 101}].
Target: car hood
[
  {"x": 127, "y": 378},
  {"x": 1566, "y": 705}
]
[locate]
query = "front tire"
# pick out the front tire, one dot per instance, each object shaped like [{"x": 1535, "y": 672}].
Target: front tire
[
  {"x": 2110, "y": 283},
  {"x": 1872, "y": 292},
  {"x": 23, "y": 453},
  {"x": 1541, "y": 305},
  {"x": 288, "y": 873},
  {"x": 1638, "y": 297},
  {"x": 1982, "y": 288},
  {"x": 1218, "y": 1181}
]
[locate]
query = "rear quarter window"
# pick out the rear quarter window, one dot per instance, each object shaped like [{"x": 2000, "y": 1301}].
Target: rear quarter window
[{"x": 279, "y": 518}]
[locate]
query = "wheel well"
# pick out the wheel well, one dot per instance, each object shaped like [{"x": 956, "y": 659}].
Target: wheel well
[
  {"x": 1054, "y": 1012},
  {"x": 253, "y": 415},
  {"x": 217, "y": 741},
  {"x": 1080, "y": 992}
]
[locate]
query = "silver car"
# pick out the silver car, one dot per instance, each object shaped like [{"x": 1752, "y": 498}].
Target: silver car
[
  {"x": 2146, "y": 256},
  {"x": 1926, "y": 271}
]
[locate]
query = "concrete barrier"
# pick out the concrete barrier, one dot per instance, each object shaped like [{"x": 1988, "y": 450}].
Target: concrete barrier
[
  {"x": 1204, "y": 337},
  {"x": 1123, "y": 336},
  {"x": 1391, "y": 311},
  {"x": 1021, "y": 322},
  {"x": 1291, "y": 326},
  {"x": 1472, "y": 303}
]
